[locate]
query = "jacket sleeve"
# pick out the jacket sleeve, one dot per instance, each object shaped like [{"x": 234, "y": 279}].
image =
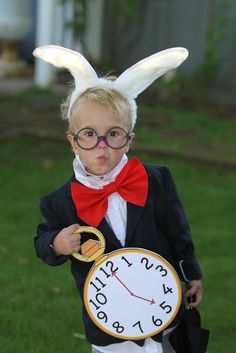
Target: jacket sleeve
[
  {"x": 47, "y": 231},
  {"x": 176, "y": 228}
]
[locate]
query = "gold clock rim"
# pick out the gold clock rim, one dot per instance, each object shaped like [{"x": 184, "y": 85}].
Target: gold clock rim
[{"x": 136, "y": 250}]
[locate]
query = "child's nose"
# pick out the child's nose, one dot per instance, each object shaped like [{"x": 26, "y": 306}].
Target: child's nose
[{"x": 102, "y": 144}]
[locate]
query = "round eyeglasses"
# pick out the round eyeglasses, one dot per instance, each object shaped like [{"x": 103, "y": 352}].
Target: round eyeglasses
[{"x": 88, "y": 138}]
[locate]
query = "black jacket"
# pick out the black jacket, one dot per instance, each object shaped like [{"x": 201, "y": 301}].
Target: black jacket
[{"x": 160, "y": 226}]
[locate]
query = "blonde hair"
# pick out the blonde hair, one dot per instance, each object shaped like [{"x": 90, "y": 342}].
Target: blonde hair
[{"x": 107, "y": 98}]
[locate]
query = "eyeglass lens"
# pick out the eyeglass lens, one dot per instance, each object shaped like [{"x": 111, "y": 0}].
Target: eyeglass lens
[{"x": 88, "y": 138}]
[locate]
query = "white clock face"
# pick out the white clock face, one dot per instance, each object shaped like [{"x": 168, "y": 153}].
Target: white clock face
[{"x": 133, "y": 294}]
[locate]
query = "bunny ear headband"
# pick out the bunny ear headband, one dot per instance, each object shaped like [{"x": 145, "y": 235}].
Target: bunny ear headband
[{"x": 129, "y": 84}]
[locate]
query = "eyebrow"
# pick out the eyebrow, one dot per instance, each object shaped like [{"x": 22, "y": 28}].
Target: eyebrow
[{"x": 112, "y": 127}]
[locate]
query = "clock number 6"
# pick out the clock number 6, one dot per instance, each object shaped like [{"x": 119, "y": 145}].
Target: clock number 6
[
  {"x": 167, "y": 308},
  {"x": 157, "y": 322}
]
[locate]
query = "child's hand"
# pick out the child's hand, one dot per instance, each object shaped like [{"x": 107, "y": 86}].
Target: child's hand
[
  {"x": 193, "y": 292},
  {"x": 66, "y": 242}
]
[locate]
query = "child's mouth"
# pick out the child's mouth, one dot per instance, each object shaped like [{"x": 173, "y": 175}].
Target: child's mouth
[{"x": 102, "y": 158}]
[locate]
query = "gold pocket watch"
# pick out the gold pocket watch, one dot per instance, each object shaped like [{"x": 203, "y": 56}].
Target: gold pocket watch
[{"x": 130, "y": 293}]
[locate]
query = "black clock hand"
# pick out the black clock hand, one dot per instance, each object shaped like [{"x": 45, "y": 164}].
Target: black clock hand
[{"x": 131, "y": 293}]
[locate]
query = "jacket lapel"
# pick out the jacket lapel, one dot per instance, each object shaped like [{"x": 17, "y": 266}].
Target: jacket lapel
[
  {"x": 133, "y": 215},
  {"x": 108, "y": 233}
]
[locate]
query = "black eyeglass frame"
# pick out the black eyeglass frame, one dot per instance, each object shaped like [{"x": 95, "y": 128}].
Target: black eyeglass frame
[{"x": 102, "y": 138}]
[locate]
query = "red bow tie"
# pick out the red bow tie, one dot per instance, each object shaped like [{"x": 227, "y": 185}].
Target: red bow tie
[{"x": 131, "y": 183}]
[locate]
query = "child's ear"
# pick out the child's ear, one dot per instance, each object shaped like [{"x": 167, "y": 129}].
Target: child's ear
[
  {"x": 74, "y": 145},
  {"x": 132, "y": 136}
]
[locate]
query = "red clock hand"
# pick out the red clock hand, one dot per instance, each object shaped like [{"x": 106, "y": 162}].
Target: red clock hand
[
  {"x": 115, "y": 275},
  {"x": 151, "y": 301}
]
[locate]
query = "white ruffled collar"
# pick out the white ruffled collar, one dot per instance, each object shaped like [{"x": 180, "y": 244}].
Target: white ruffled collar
[{"x": 95, "y": 181}]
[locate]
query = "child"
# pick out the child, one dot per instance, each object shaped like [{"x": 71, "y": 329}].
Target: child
[{"x": 102, "y": 116}]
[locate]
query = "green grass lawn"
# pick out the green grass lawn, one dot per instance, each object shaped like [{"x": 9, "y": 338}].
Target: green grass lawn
[
  {"x": 40, "y": 306},
  {"x": 188, "y": 131}
]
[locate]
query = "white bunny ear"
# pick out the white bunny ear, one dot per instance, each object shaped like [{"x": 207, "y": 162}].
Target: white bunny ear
[
  {"x": 141, "y": 75},
  {"x": 76, "y": 63},
  {"x": 130, "y": 84}
]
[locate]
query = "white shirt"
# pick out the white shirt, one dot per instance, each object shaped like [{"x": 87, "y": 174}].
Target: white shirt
[{"x": 116, "y": 214}]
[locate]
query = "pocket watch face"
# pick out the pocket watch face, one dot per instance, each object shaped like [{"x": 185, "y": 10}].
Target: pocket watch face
[{"x": 132, "y": 294}]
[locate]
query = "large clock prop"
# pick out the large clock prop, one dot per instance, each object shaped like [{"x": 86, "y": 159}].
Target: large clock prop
[{"x": 130, "y": 293}]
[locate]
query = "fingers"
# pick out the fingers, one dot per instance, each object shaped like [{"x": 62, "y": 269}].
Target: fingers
[
  {"x": 197, "y": 301},
  {"x": 193, "y": 293},
  {"x": 74, "y": 238},
  {"x": 76, "y": 249},
  {"x": 75, "y": 242},
  {"x": 67, "y": 241},
  {"x": 73, "y": 227}
]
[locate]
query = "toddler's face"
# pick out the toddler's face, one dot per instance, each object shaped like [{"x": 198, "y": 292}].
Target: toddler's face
[{"x": 102, "y": 158}]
